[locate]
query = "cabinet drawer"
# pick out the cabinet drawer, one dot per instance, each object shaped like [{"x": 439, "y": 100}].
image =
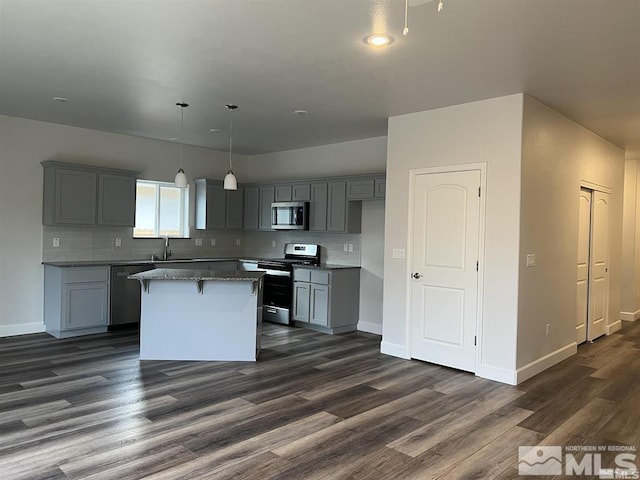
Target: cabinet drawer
[
  {"x": 320, "y": 276},
  {"x": 301, "y": 275},
  {"x": 86, "y": 274}
]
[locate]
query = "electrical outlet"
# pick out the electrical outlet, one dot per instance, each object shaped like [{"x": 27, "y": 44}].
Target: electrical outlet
[
  {"x": 237, "y": 242},
  {"x": 118, "y": 242},
  {"x": 213, "y": 242},
  {"x": 273, "y": 244},
  {"x": 531, "y": 260},
  {"x": 346, "y": 247},
  {"x": 56, "y": 242},
  {"x": 351, "y": 248},
  {"x": 548, "y": 329},
  {"x": 397, "y": 253},
  {"x": 198, "y": 242}
]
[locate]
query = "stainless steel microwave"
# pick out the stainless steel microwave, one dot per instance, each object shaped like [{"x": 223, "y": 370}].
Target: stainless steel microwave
[{"x": 290, "y": 215}]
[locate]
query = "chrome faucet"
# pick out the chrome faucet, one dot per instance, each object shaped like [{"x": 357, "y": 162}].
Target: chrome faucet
[{"x": 166, "y": 253}]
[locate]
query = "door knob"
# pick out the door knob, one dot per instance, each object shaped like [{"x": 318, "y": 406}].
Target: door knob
[{"x": 417, "y": 276}]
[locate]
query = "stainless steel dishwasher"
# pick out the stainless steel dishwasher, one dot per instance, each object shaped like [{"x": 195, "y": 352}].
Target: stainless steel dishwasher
[{"x": 125, "y": 294}]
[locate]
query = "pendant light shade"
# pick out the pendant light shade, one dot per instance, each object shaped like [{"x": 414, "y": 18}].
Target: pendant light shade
[
  {"x": 181, "y": 179},
  {"x": 230, "y": 180}
]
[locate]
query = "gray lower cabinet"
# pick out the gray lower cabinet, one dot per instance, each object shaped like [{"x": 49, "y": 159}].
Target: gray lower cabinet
[
  {"x": 76, "y": 300},
  {"x": 267, "y": 197},
  {"x": 251, "y": 208},
  {"x": 326, "y": 300},
  {"x": 75, "y": 194}
]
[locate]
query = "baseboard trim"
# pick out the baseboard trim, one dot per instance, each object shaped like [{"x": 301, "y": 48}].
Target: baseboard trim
[
  {"x": 395, "y": 350},
  {"x": 537, "y": 366},
  {"x": 630, "y": 316},
  {"x": 21, "y": 329},
  {"x": 370, "y": 327},
  {"x": 614, "y": 327},
  {"x": 501, "y": 375}
]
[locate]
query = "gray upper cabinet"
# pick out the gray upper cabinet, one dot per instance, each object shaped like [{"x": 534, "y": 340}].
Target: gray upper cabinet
[
  {"x": 251, "y": 208},
  {"x": 337, "y": 207},
  {"x": 318, "y": 207},
  {"x": 211, "y": 204},
  {"x": 84, "y": 195},
  {"x": 380, "y": 186},
  {"x": 283, "y": 193},
  {"x": 116, "y": 200},
  {"x": 267, "y": 197},
  {"x": 235, "y": 200},
  {"x": 360, "y": 189},
  {"x": 301, "y": 192}
]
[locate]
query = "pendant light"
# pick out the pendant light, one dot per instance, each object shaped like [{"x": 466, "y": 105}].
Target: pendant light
[
  {"x": 230, "y": 181},
  {"x": 181, "y": 178}
]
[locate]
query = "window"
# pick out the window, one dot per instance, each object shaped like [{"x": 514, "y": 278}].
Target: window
[{"x": 161, "y": 210}]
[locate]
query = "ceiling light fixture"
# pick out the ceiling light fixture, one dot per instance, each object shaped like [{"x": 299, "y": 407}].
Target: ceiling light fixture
[
  {"x": 300, "y": 112},
  {"x": 181, "y": 178},
  {"x": 214, "y": 130},
  {"x": 378, "y": 40},
  {"x": 60, "y": 99},
  {"x": 230, "y": 181}
]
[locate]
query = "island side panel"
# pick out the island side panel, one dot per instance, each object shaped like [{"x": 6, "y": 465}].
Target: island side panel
[{"x": 178, "y": 323}]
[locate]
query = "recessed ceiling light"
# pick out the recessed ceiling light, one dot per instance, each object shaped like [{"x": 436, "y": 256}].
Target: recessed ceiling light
[
  {"x": 215, "y": 130},
  {"x": 60, "y": 99},
  {"x": 173, "y": 139},
  {"x": 300, "y": 112},
  {"x": 378, "y": 40}
]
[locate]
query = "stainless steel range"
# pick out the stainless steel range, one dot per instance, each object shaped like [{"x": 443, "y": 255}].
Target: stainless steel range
[{"x": 278, "y": 280}]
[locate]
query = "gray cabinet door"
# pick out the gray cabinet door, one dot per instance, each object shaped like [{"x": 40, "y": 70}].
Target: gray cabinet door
[
  {"x": 85, "y": 305},
  {"x": 380, "y": 187},
  {"x": 360, "y": 189},
  {"x": 337, "y": 207},
  {"x": 75, "y": 197},
  {"x": 251, "y": 208},
  {"x": 301, "y": 291},
  {"x": 318, "y": 207},
  {"x": 116, "y": 200},
  {"x": 267, "y": 196},
  {"x": 319, "y": 304},
  {"x": 235, "y": 200},
  {"x": 283, "y": 193},
  {"x": 301, "y": 192},
  {"x": 216, "y": 206}
]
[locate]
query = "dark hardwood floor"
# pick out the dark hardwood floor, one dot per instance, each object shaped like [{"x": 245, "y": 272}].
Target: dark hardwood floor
[{"x": 314, "y": 407}]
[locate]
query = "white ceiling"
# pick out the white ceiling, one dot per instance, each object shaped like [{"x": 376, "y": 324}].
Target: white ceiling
[{"x": 125, "y": 63}]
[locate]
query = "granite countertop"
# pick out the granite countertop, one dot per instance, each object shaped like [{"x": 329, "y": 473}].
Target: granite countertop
[
  {"x": 115, "y": 263},
  {"x": 327, "y": 266},
  {"x": 191, "y": 274}
]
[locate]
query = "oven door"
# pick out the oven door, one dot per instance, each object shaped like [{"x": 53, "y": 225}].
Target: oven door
[{"x": 277, "y": 295}]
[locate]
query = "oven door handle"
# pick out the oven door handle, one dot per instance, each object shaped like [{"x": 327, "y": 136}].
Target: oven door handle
[{"x": 277, "y": 273}]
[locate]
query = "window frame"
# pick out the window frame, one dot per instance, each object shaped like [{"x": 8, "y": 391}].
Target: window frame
[{"x": 183, "y": 207}]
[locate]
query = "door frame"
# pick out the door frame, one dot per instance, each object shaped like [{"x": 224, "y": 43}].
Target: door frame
[
  {"x": 595, "y": 187},
  {"x": 413, "y": 173}
]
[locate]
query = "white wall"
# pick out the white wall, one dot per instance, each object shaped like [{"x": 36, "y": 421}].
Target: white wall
[
  {"x": 557, "y": 154},
  {"x": 488, "y": 132},
  {"x": 23, "y": 145},
  {"x": 630, "y": 290},
  {"x": 347, "y": 158}
]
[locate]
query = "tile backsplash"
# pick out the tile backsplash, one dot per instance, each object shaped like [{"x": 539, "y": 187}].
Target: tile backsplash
[{"x": 99, "y": 243}]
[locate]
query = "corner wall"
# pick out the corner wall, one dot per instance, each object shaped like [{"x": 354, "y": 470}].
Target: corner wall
[
  {"x": 630, "y": 288},
  {"x": 557, "y": 154},
  {"x": 490, "y": 132},
  {"x": 23, "y": 145}
]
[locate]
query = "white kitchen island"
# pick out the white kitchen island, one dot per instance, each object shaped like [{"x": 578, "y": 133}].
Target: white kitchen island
[{"x": 200, "y": 314}]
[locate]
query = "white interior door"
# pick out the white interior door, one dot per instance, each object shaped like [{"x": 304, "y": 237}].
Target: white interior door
[
  {"x": 584, "y": 242},
  {"x": 444, "y": 257},
  {"x": 599, "y": 266}
]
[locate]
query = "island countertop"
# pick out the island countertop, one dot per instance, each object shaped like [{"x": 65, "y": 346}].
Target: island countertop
[{"x": 199, "y": 275}]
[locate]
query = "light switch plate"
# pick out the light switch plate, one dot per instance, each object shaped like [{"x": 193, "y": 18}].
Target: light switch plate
[
  {"x": 531, "y": 260},
  {"x": 198, "y": 242},
  {"x": 237, "y": 242},
  {"x": 118, "y": 242},
  {"x": 213, "y": 242},
  {"x": 273, "y": 244},
  {"x": 346, "y": 247},
  {"x": 397, "y": 253},
  {"x": 56, "y": 242},
  {"x": 351, "y": 248}
]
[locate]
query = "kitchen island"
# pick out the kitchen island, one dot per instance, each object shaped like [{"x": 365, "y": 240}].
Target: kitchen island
[{"x": 189, "y": 314}]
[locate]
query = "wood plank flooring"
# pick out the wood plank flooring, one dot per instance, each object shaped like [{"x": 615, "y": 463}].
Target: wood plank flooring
[{"x": 314, "y": 407}]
